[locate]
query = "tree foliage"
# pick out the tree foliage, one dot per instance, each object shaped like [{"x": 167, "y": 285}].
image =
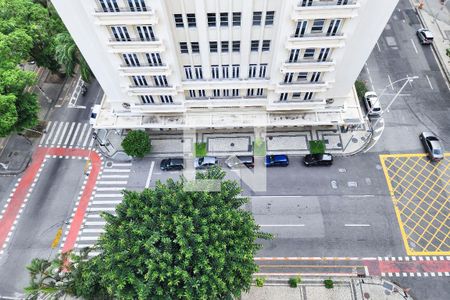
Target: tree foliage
[
  {"x": 136, "y": 143},
  {"x": 169, "y": 243},
  {"x": 8, "y": 114}
]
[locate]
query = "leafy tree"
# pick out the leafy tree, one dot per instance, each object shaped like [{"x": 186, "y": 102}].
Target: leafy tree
[
  {"x": 27, "y": 107},
  {"x": 8, "y": 113},
  {"x": 136, "y": 143},
  {"x": 169, "y": 243}
]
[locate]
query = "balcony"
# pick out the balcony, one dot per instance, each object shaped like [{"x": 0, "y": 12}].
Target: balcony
[
  {"x": 144, "y": 69},
  {"x": 298, "y": 87},
  {"x": 308, "y": 66},
  {"x": 289, "y": 105},
  {"x": 326, "y": 10},
  {"x": 316, "y": 41},
  {"x": 134, "y": 90},
  {"x": 231, "y": 83},
  {"x": 209, "y": 102},
  {"x": 136, "y": 45},
  {"x": 125, "y": 16},
  {"x": 157, "y": 108}
]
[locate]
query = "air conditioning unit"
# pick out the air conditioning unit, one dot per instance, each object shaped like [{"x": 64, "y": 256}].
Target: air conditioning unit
[
  {"x": 329, "y": 101},
  {"x": 126, "y": 105}
]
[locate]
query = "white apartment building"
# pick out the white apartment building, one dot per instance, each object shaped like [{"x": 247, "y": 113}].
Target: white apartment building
[{"x": 226, "y": 63}]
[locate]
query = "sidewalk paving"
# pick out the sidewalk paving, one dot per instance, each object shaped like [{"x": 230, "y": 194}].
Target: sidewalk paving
[{"x": 344, "y": 289}]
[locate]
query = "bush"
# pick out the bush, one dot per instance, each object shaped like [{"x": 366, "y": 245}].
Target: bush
[
  {"x": 259, "y": 147},
  {"x": 260, "y": 281},
  {"x": 361, "y": 88},
  {"x": 200, "y": 149},
  {"x": 447, "y": 52},
  {"x": 294, "y": 281},
  {"x": 329, "y": 284},
  {"x": 136, "y": 143},
  {"x": 316, "y": 147}
]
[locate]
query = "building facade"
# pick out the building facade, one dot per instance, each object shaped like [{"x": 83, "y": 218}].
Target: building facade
[{"x": 226, "y": 63}]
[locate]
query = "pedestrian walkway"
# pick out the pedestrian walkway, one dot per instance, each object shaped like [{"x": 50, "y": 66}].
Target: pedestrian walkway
[
  {"x": 108, "y": 193},
  {"x": 67, "y": 135}
]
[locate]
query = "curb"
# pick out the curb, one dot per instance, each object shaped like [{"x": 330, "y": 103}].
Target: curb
[{"x": 24, "y": 166}]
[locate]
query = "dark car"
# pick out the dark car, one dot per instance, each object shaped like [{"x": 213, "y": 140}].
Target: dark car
[
  {"x": 432, "y": 146},
  {"x": 240, "y": 161},
  {"x": 425, "y": 36},
  {"x": 205, "y": 162},
  {"x": 324, "y": 159},
  {"x": 172, "y": 164},
  {"x": 278, "y": 160}
]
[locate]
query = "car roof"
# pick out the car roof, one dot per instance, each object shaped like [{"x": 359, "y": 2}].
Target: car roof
[
  {"x": 176, "y": 160},
  {"x": 427, "y": 134},
  {"x": 427, "y": 33},
  {"x": 209, "y": 159},
  {"x": 435, "y": 144},
  {"x": 279, "y": 157}
]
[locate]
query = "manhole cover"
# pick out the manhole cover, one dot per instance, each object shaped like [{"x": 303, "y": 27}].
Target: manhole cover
[
  {"x": 109, "y": 164},
  {"x": 334, "y": 184},
  {"x": 232, "y": 144},
  {"x": 270, "y": 137},
  {"x": 363, "y": 138},
  {"x": 339, "y": 145},
  {"x": 352, "y": 184},
  {"x": 342, "y": 170},
  {"x": 366, "y": 296},
  {"x": 354, "y": 140}
]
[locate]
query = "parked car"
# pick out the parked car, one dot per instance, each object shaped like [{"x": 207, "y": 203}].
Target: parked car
[
  {"x": 425, "y": 36},
  {"x": 324, "y": 159},
  {"x": 432, "y": 145},
  {"x": 278, "y": 160},
  {"x": 205, "y": 162},
  {"x": 172, "y": 164},
  {"x": 372, "y": 104},
  {"x": 94, "y": 113},
  {"x": 240, "y": 161}
]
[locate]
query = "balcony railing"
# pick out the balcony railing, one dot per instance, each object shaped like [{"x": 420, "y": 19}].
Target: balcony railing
[
  {"x": 316, "y": 35},
  {"x": 308, "y": 3},
  {"x": 122, "y": 10},
  {"x": 143, "y": 65},
  {"x": 126, "y": 40}
]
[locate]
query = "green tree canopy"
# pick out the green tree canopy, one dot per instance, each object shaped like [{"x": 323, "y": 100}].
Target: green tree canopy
[
  {"x": 136, "y": 143},
  {"x": 8, "y": 114}
]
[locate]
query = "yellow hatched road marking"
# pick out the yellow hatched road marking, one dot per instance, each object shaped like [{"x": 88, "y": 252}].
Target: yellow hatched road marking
[
  {"x": 57, "y": 238},
  {"x": 399, "y": 168},
  {"x": 412, "y": 181}
]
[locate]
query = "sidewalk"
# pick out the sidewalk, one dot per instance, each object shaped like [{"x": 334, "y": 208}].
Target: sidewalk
[
  {"x": 313, "y": 289},
  {"x": 436, "y": 17}
]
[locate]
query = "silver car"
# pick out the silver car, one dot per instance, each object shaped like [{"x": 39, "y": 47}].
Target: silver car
[
  {"x": 432, "y": 146},
  {"x": 205, "y": 162}
]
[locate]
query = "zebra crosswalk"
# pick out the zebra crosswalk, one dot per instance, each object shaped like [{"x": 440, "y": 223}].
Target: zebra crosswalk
[
  {"x": 113, "y": 179},
  {"x": 67, "y": 135}
]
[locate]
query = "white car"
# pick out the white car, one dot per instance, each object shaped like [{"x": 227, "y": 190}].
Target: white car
[
  {"x": 94, "y": 113},
  {"x": 372, "y": 104}
]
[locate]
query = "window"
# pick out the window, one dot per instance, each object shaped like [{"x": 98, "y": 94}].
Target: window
[
  {"x": 202, "y": 94},
  {"x": 226, "y": 93},
  {"x": 224, "y": 19},
  {"x": 254, "y": 45},
  {"x": 166, "y": 99},
  {"x": 137, "y": 5},
  {"x": 236, "y": 19},
  {"x": 195, "y": 47},
  {"x": 308, "y": 96},
  {"x": 131, "y": 59},
  {"x": 120, "y": 33},
  {"x": 198, "y": 72},
  {"x": 250, "y": 92},
  {"x": 235, "y": 71},
  {"x": 215, "y": 72},
  {"x": 235, "y": 92},
  {"x": 315, "y": 76},
  {"x": 293, "y": 57},
  {"x": 145, "y": 33},
  {"x": 225, "y": 46},
  {"x": 188, "y": 72},
  {"x": 262, "y": 70},
  {"x": 269, "y": 17},
  {"x": 139, "y": 80},
  {"x": 225, "y": 72},
  {"x": 178, "y": 20},
  {"x": 259, "y": 92},
  {"x": 109, "y": 5},
  {"x": 212, "y": 47},
  {"x": 183, "y": 47},
  {"x": 212, "y": 22},
  {"x": 309, "y": 53},
  {"x": 296, "y": 95},
  {"x": 252, "y": 71},
  {"x": 160, "y": 80},
  {"x": 192, "y": 94},
  {"x": 288, "y": 77},
  {"x": 266, "y": 45},
  {"x": 317, "y": 25},
  {"x": 257, "y": 15},
  {"x": 236, "y": 46},
  {"x": 302, "y": 76},
  {"x": 147, "y": 99},
  {"x": 191, "y": 20},
  {"x": 154, "y": 59},
  {"x": 216, "y": 93},
  {"x": 283, "y": 96}
]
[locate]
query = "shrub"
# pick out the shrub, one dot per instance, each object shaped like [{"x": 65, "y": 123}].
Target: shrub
[
  {"x": 136, "y": 143},
  {"x": 260, "y": 281},
  {"x": 361, "y": 88},
  {"x": 200, "y": 149},
  {"x": 316, "y": 147},
  {"x": 329, "y": 284},
  {"x": 259, "y": 147},
  {"x": 294, "y": 281}
]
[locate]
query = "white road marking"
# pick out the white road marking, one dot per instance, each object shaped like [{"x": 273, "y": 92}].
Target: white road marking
[
  {"x": 88, "y": 135},
  {"x": 115, "y": 176},
  {"x": 69, "y": 133},
  {"x": 100, "y": 189},
  {"x": 390, "y": 82},
  {"x": 95, "y": 230},
  {"x": 116, "y": 170},
  {"x": 378, "y": 46},
  {"x": 107, "y": 202},
  {"x": 414, "y": 46},
  {"x": 89, "y": 223},
  {"x": 72, "y": 140},
  {"x": 281, "y": 225},
  {"x": 63, "y": 133},
  {"x": 357, "y": 225},
  {"x": 60, "y": 126},
  {"x": 102, "y": 208},
  {"x": 45, "y": 134},
  {"x": 122, "y": 164},
  {"x": 88, "y": 238},
  {"x": 51, "y": 132},
  {"x": 108, "y": 195},
  {"x": 149, "y": 177},
  {"x": 429, "y": 82},
  {"x": 81, "y": 135},
  {"x": 111, "y": 182}
]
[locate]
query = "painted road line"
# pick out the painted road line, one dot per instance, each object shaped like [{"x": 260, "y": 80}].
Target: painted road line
[
  {"x": 80, "y": 140},
  {"x": 88, "y": 238},
  {"x": 91, "y": 143},
  {"x": 429, "y": 82},
  {"x": 116, "y": 170},
  {"x": 108, "y": 195},
  {"x": 390, "y": 82},
  {"x": 94, "y": 216},
  {"x": 63, "y": 133},
  {"x": 308, "y": 274},
  {"x": 102, "y": 209},
  {"x": 115, "y": 176},
  {"x": 414, "y": 46},
  {"x": 45, "y": 134},
  {"x": 69, "y": 134},
  {"x": 95, "y": 223},
  {"x": 149, "y": 177},
  {"x": 281, "y": 225},
  {"x": 50, "y": 133},
  {"x": 106, "y": 202},
  {"x": 94, "y": 230},
  {"x": 74, "y": 136},
  {"x": 88, "y": 135},
  {"x": 304, "y": 258},
  {"x": 122, "y": 164},
  {"x": 104, "y": 189},
  {"x": 60, "y": 126},
  {"x": 111, "y": 182},
  {"x": 357, "y": 225}
]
